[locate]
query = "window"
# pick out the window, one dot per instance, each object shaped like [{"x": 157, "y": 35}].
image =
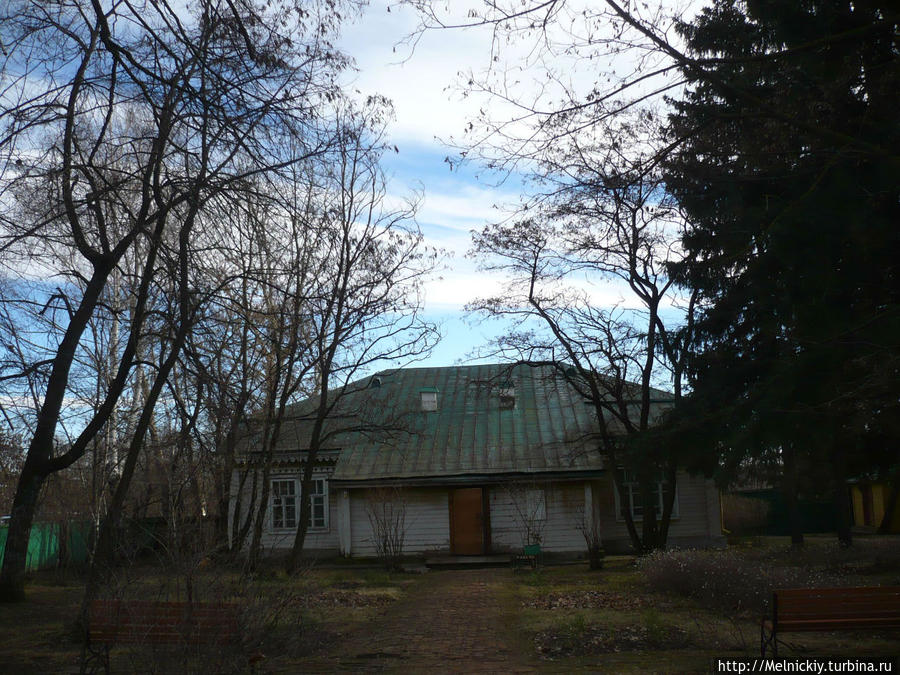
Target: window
[
  {"x": 508, "y": 397},
  {"x": 318, "y": 502},
  {"x": 285, "y": 505},
  {"x": 635, "y": 501},
  {"x": 429, "y": 400}
]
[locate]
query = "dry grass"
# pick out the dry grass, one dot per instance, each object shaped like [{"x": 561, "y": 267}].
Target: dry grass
[
  {"x": 284, "y": 618},
  {"x": 559, "y": 618},
  {"x": 622, "y": 619}
]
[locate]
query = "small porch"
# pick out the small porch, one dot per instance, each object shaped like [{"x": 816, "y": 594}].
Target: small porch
[{"x": 459, "y": 562}]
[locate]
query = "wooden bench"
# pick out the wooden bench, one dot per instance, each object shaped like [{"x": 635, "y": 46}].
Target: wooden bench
[
  {"x": 156, "y": 623},
  {"x": 829, "y": 609}
]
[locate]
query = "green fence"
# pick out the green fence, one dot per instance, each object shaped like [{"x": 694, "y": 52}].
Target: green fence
[
  {"x": 44, "y": 544},
  {"x": 815, "y": 516}
]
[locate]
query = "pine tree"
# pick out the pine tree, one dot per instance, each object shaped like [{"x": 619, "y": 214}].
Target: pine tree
[{"x": 790, "y": 178}]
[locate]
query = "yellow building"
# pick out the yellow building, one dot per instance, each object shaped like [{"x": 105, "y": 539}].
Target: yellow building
[{"x": 870, "y": 499}]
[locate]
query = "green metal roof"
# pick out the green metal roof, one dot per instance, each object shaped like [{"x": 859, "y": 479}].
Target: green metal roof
[{"x": 383, "y": 433}]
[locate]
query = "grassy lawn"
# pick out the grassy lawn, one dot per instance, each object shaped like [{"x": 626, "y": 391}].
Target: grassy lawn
[
  {"x": 38, "y": 635},
  {"x": 656, "y": 616},
  {"x": 623, "y": 619},
  {"x": 318, "y": 606},
  {"x": 610, "y": 620}
]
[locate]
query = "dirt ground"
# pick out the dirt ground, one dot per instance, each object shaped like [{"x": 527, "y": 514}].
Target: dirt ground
[
  {"x": 355, "y": 620},
  {"x": 457, "y": 622}
]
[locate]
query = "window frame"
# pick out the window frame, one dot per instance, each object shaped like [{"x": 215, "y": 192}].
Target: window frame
[
  {"x": 312, "y": 507},
  {"x": 631, "y": 488},
  {"x": 277, "y": 495},
  {"x": 296, "y": 483},
  {"x": 431, "y": 397},
  {"x": 508, "y": 398}
]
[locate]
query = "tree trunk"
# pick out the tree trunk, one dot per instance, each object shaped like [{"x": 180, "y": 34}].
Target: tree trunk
[
  {"x": 294, "y": 558},
  {"x": 842, "y": 508},
  {"x": 636, "y": 542},
  {"x": 259, "y": 519},
  {"x": 12, "y": 582},
  {"x": 240, "y": 528},
  {"x": 293, "y": 561},
  {"x": 649, "y": 503},
  {"x": 791, "y": 495},
  {"x": 841, "y": 496},
  {"x": 223, "y": 481},
  {"x": 671, "y": 476}
]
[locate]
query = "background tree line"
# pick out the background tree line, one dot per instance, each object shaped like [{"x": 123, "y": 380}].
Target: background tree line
[{"x": 192, "y": 235}]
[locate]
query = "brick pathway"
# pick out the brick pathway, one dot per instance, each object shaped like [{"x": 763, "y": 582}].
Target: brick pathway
[{"x": 449, "y": 622}]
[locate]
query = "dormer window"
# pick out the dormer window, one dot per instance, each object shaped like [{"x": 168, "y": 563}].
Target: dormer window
[
  {"x": 429, "y": 399},
  {"x": 508, "y": 397}
]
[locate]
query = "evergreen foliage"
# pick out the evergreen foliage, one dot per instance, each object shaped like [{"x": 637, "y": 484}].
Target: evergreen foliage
[{"x": 790, "y": 178}]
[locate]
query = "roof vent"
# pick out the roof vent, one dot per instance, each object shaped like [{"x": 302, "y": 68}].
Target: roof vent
[
  {"x": 508, "y": 397},
  {"x": 429, "y": 396},
  {"x": 375, "y": 383}
]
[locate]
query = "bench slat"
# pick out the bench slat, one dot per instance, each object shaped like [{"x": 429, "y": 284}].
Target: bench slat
[
  {"x": 830, "y": 609},
  {"x": 853, "y": 606},
  {"x": 834, "y": 593},
  {"x": 839, "y": 624},
  {"x": 848, "y": 602},
  {"x": 810, "y": 609}
]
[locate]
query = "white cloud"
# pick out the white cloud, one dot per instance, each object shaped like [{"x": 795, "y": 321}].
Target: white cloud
[
  {"x": 419, "y": 81},
  {"x": 467, "y": 208},
  {"x": 428, "y": 106}
]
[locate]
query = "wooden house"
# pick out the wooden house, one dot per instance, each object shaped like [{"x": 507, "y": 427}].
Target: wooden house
[{"x": 480, "y": 459}]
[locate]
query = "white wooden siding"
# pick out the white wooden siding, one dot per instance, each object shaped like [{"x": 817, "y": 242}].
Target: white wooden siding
[
  {"x": 427, "y": 521},
  {"x": 697, "y": 523},
  {"x": 316, "y": 540},
  {"x": 564, "y": 508}
]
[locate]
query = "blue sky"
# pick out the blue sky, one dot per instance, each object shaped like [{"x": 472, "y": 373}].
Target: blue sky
[
  {"x": 420, "y": 84},
  {"x": 423, "y": 84}
]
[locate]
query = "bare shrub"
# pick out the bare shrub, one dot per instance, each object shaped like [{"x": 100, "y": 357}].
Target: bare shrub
[
  {"x": 530, "y": 510},
  {"x": 847, "y": 565},
  {"x": 725, "y": 580},
  {"x": 272, "y": 621},
  {"x": 589, "y": 527},
  {"x": 745, "y": 515},
  {"x": 386, "y": 509}
]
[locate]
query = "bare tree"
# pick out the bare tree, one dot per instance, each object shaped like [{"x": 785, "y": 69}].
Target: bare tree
[
  {"x": 286, "y": 282},
  {"x": 330, "y": 288},
  {"x": 558, "y": 67},
  {"x": 604, "y": 221},
  {"x": 128, "y": 120},
  {"x": 373, "y": 266},
  {"x": 221, "y": 357}
]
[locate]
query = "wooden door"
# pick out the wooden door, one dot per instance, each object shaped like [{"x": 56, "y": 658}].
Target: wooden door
[{"x": 466, "y": 521}]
